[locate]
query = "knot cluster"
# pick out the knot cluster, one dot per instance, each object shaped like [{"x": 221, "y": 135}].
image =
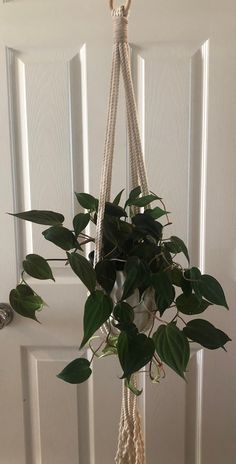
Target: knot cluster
[{"x": 120, "y": 25}]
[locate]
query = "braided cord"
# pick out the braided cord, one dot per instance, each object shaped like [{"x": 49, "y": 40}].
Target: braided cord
[
  {"x": 120, "y": 59},
  {"x": 130, "y": 449}
]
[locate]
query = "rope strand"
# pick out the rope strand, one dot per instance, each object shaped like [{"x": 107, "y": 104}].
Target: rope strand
[
  {"x": 120, "y": 59},
  {"x": 130, "y": 449}
]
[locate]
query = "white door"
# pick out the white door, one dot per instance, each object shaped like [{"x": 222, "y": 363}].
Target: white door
[{"x": 55, "y": 65}]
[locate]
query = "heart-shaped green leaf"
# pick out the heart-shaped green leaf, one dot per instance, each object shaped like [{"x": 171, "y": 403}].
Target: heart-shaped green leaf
[
  {"x": 134, "y": 352},
  {"x": 146, "y": 225},
  {"x": 135, "y": 272},
  {"x": 164, "y": 290},
  {"x": 179, "y": 280},
  {"x": 131, "y": 282},
  {"x": 83, "y": 269},
  {"x": 111, "y": 229},
  {"x": 133, "y": 195},
  {"x": 204, "y": 333},
  {"x": 143, "y": 201},
  {"x": 211, "y": 289},
  {"x": 157, "y": 212},
  {"x": 115, "y": 210},
  {"x": 178, "y": 246},
  {"x": 24, "y": 301},
  {"x": 173, "y": 347},
  {"x": 190, "y": 304},
  {"x": 62, "y": 237},
  {"x": 117, "y": 199},
  {"x": 87, "y": 201},
  {"x": 80, "y": 222},
  {"x": 135, "y": 192},
  {"x": 123, "y": 313},
  {"x": 47, "y": 218},
  {"x": 78, "y": 371},
  {"x": 176, "y": 275},
  {"x": 106, "y": 274},
  {"x": 36, "y": 266},
  {"x": 98, "y": 309}
]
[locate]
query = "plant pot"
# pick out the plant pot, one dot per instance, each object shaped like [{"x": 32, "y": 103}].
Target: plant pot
[{"x": 143, "y": 310}]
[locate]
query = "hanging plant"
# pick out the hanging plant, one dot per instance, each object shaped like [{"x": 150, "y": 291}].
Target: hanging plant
[
  {"x": 139, "y": 294},
  {"x": 138, "y": 289}
]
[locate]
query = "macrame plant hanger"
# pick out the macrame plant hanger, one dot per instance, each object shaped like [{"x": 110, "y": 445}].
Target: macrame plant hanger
[{"x": 130, "y": 441}]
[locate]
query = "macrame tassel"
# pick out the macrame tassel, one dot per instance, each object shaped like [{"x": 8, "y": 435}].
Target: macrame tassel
[{"x": 130, "y": 440}]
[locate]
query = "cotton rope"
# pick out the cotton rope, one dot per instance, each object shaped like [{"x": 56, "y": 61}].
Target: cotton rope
[
  {"x": 126, "y": 8},
  {"x": 120, "y": 60},
  {"x": 130, "y": 448}
]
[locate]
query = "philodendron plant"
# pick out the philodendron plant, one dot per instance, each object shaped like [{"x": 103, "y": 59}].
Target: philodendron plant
[{"x": 138, "y": 291}]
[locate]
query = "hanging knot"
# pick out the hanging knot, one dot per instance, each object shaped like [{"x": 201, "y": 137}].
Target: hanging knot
[{"x": 120, "y": 25}]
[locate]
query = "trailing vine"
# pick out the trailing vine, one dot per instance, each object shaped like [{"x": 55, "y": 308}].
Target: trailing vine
[{"x": 134, "y": 245}]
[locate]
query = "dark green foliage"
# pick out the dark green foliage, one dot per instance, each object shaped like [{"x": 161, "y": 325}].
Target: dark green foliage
[
  {"x": 164, "y": 290},
  {"x": 204, "y": 333},
  {"x": 179, "y": 279},
  {"x": 135, "y": 246},
  {"x": 143, "y": 201},
  {"x": 157, "y": 212},
  {"x": 134, "y": 352},
  {"x": 173, "y": 347},
  {"x": 190, "y": 304},
  {"x": 176, "y": 245},
  {"x": 37, "y": 267},
  {"x": 61, "y": 237},
  {"x": 145, "y": 225},
  {"x": 117, "y": 199},
  {"x": 133, "y": 195},
  {"x": 25, "y": 302},
  {"x": 83, "y": 269},
  {"x": 210, "y": 289},
  {"x": 176, "y": 276},
  {"x": 87, "y": 201},
  {"x": 136, "y": 273},
  {"x": 47, "y": 218},
  {"x": 106, "y": 274},
  {"x": 76, "y": 372},
  {"x": 80, "y": 222},
  {"x": 98, "y": 308},
  {"x": 206, "y": 286},
  {"x": 123, "y": 313},
  {"x": 115, "y": 210}
]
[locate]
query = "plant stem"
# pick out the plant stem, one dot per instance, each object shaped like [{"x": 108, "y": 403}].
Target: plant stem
[
  {"x": 164, "y": 207},
  {"x": 182, "y": 319},
  {"x": 87, "y": 241},
  {"x": 110, "y": 252},
  {"x": 172, "y": 320},
  {"x": 154, "y": 315},
  {"x": 86, "y": 236},
  {"x": 151, "y": 329},
  {"x": 95, "y": 351}
]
